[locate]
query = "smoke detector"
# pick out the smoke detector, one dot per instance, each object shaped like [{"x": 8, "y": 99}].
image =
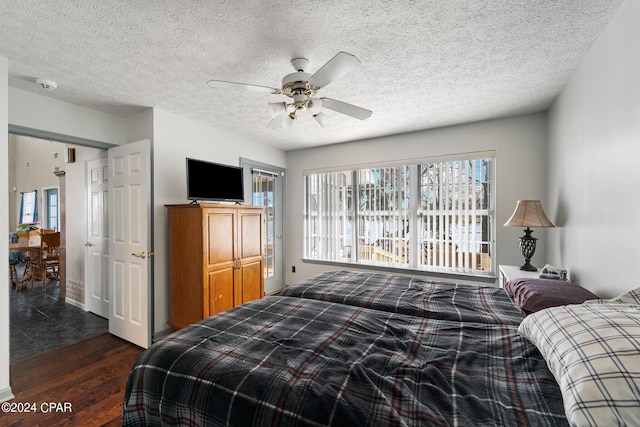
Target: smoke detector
[{"x": 47, "y": 84}]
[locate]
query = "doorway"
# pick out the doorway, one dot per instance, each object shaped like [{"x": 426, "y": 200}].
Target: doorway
[
  {"x": 40, "y": 319},
  {"x": 264, "y": 186}
]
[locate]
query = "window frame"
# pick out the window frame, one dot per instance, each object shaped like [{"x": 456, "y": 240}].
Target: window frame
[
  {"x": 414, "y": 218},
  {"x": 28, "y": 207},
  {"x": 46, "y": 194}
]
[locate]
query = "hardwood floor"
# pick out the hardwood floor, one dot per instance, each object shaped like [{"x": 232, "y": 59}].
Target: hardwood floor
[{"x": 78, "y": 385}]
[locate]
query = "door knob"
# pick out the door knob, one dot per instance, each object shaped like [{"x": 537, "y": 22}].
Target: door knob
[
  {"x": 142, "y": 255},
  {"x": 89, "y": 244}
]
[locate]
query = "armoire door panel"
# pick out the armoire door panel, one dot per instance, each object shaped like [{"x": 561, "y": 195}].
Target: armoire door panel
[
  {"x": 220, "y": 237},
  {"x": 250, "y": 229},
  {"x": 220, "y": 291},
  {"x": 251, "y": 281}
]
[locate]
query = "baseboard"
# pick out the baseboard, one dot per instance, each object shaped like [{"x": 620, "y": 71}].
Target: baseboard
[
  {"x": 158, "y": 335},
  {"x": 75, "y": 304},
  {"x": 6, "y": 394}
]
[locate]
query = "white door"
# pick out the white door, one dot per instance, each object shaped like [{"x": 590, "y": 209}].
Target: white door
[
  {"x": 97, "y": 244},
  {"x": 129, "y": 242}
]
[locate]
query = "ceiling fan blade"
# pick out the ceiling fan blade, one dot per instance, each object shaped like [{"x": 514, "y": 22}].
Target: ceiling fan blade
[
  {"x": 337, "y": 67},
  {"x": 243, "y": 86},
  {"x": 278, "y": 120},
  {"x": 347, "y": 109}
]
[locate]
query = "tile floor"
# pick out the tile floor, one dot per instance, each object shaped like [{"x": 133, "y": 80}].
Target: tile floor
[{"x": 41, "y": 321}]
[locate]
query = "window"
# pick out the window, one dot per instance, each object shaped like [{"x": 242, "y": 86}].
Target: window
[
  {"x": 53, "y": 209},
  {"x": 263, "y": 195},
  {"x": 28, "y": 207},
  {"x": 368, "y": 216}
]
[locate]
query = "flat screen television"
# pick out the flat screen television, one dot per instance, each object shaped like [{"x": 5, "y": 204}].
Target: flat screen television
[{"x": 208, "y": 181}]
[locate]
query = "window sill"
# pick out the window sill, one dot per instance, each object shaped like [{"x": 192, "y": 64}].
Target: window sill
[{"x": 488, "y": 277}]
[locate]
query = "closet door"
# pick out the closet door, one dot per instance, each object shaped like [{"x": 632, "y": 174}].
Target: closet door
[{"x": 220, "y": 244}]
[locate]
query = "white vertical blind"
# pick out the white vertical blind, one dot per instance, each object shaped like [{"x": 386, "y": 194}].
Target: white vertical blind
[
  {"x": 372, "y": 220},
  {"x": 328, "y": 218},
  {"x": 383, "y": 216},
  {"x": 455, "y": 203}
]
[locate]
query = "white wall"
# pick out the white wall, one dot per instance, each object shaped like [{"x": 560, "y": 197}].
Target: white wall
[
  {"x": 33, "y": 163},
  {"x": 594, "y": 152},
  {"x": 35, "y": 111},
  {"x": 175, "y": 138},
  {"x": 520, "y": 145},
  {"x": 5, "y": 389},
  {"x": 139, "y": 126}
]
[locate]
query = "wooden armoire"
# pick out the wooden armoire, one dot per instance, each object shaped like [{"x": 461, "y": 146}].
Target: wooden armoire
[{"x": 215, "y": 259}]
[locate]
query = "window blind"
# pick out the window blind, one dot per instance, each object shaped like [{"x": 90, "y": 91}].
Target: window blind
[{"x": 429, "y": 216}]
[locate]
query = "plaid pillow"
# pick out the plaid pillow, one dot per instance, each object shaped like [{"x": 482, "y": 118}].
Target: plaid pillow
[
  {"x": 593, "y": 350},
  {"x": 631, "y": 297}
]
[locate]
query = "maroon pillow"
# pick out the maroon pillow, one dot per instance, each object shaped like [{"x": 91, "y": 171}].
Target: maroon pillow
[{"x": 535, "y": 294}]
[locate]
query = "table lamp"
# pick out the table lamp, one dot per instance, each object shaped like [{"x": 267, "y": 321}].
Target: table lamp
[{"x": 528, "y": 213}]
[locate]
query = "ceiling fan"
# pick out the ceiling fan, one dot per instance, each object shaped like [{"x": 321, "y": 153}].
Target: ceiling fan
[{"x": 302, "y": 87}]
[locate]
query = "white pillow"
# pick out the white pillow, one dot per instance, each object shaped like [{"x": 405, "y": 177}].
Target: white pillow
[{"x": 593, "y": 350}]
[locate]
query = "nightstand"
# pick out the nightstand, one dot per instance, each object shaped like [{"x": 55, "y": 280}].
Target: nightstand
[{"x": 511, "y": 272}]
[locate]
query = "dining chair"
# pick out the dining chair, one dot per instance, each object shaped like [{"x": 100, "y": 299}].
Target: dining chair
[
  {"x": 13, "y": 274},
  {"x": 29, "y": 273},
  {"x": 49, "y": 268}
]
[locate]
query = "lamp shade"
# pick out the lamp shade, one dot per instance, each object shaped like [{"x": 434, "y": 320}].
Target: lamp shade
[{"x": 529, "y": 213}]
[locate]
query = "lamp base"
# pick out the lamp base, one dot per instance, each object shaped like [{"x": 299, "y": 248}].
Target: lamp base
[
  {"x": 528, "y": 267},
  {"x": 528, "y": 248}
]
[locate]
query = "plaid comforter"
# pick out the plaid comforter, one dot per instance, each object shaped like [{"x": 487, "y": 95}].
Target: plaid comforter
[
  {"x": 410, "y": 295},
  {"x": 283, "y": 361}
]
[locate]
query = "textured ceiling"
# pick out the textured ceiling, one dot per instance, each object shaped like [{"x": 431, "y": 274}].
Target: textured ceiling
[{"x": 425, "y": 64}]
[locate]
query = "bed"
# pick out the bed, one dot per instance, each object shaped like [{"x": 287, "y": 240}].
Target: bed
[
  {"x": 320, "y": 359},
  {"x": 411, "y": 295}
]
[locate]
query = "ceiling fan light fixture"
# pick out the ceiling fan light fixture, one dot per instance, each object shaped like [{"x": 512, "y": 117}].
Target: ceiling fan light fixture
[
  {"x": 277, "y": 108},
  {"x": 321, "y": 118},
  {"x": 314, "y": 105},
  {"x": 289, "y": 121}
]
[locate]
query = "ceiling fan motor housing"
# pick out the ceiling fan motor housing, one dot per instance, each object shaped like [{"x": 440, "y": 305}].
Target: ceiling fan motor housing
[
  {"x": 300, "y": 64},
  {"x": 297, "y": 83}
]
